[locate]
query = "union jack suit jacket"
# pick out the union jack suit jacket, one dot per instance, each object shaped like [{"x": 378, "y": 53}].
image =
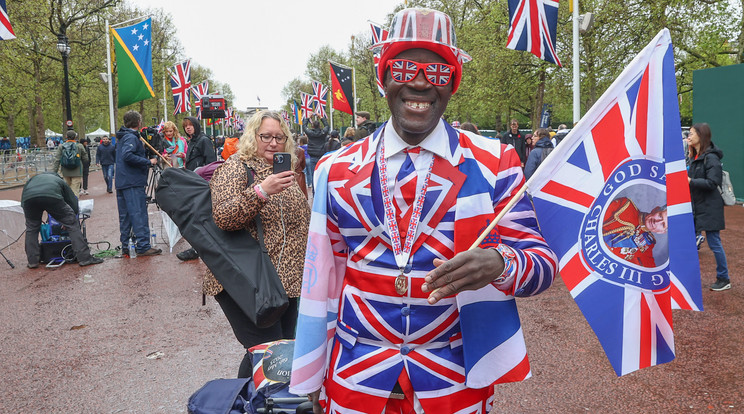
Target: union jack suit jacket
[{"x": 355, "y": 333}]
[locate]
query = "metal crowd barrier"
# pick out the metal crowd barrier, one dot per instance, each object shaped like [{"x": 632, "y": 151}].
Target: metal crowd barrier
[{"x": 18, "y": 165}]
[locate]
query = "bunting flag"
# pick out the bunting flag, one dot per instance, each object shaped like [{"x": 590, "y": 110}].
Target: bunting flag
[
  {"x": 320, "y": 98},
  {"x": 296, "y": 112},
  {"x": 341, "y": 88},
  {"x": 307, "y": 102},
  {"x": 378, "y": 35},
  {"x": 133, "y": 50},
  {"x": 6, "y": 30},
  {"x": 198, "y": 91},
  {"x": 613, "y": 202},
  {"x": 181, "y": 84},
  {"x": 532, "y": 27}
]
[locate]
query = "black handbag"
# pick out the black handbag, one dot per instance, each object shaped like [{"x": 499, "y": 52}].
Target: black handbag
[{"x": 238, "y": 261}]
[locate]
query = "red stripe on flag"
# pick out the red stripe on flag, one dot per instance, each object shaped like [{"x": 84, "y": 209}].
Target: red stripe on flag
[
  {"x": 678, "y": 188},
  {"x": 574, "y": 273},
  {"x": 518, "y": 373},
  {"x": 642, "y": 113},
  {"x": 678, "y": 297},
  {"x": 535, "y": 29},
  {"x": 644, "y": 357},
  {"x": 370, "y": 317},
  {"x": 569, "y": 193},
  {"x": 609, "y": 140}
]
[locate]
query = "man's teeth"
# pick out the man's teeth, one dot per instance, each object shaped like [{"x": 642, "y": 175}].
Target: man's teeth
[{"x": 418, "y": 105}]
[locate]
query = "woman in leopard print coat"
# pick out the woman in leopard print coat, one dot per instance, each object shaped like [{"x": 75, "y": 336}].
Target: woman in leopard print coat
[{"x": 285, "y": 215}]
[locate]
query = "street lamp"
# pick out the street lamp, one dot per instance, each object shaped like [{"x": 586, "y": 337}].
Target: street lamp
[{"x": 64, "y": 48}]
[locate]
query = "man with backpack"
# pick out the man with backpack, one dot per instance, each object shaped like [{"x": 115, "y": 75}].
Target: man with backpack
[
  {"x": 70, "y": 157},
  {"x": 364, "y": 125},
  {"x": 542, "y": 149}
]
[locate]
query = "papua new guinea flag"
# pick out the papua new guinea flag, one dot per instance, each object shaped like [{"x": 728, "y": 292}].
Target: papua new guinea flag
[
  {"x": 613, "y": 202},
  {"x": 342, "y": 88},
  {"x": 133, "y": 48}
]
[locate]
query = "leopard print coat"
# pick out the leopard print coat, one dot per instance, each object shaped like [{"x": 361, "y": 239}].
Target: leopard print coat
[{"x": 285, "y": 217}]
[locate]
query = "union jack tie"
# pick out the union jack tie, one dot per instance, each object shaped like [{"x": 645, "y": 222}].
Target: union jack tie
[{"x": 405, "y": 191}]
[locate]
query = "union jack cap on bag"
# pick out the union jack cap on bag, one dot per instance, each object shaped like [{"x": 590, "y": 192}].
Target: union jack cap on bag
[{"x": 422, "y": 29}]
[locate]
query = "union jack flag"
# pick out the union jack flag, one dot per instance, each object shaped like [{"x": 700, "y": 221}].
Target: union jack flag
[
  {"x": 285, "y": 115},
  {"x": 378, "y": 35},
  {"x": 6, "y": 30},
  {"x": 198, "y": 91},
  {"x": 532, "y": 27},
  {"x": 306, "y": 102},
  {"x": 626, "y": 148},
  {"x": 320, "y": 97},
  {"x": 161, "y": 125},
  {"x": 181, "y": 84}
]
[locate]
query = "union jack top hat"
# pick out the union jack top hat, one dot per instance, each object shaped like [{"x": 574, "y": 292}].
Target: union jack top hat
[{"x": 422, "y": 29}]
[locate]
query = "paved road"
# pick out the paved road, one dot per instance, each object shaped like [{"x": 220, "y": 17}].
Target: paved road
[{"x": 71, "y": 346}]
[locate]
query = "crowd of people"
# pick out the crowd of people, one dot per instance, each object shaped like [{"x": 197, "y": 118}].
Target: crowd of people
[{"x": 384, "y": 294}]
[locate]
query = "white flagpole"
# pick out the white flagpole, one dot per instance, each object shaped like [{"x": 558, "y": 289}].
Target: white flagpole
[
  {"x": 330, "y": 96},
  {"x": 353, "y": 85},
  {"x": 576, "y": 69},
  {"x": 112, "y": 122},
  {"x": 165, "y": 97}
]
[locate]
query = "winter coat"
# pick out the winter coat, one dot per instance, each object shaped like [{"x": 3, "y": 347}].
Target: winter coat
[
  {"x": 365, "y": 128},
  {"x": 200, "y": 150},
  {"x": 49, "y": 185},
  {"x": 535, "y": 158},
  {"x": 316, "y": 138},
  {"x": 106, "y": 154},
  {"x": 705, "y": 174},
  {"x": 132, "y": 163},
  {"x": 517, "y": 141}
]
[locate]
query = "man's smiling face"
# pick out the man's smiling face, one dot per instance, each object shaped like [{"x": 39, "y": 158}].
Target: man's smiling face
[{"x": 416, "y": 106}]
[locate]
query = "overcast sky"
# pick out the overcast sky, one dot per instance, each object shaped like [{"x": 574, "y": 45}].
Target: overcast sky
[{"x": 257, "y": 47}]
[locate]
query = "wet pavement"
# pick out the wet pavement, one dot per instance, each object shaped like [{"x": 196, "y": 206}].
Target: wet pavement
[{"x": 132, "y": 336}]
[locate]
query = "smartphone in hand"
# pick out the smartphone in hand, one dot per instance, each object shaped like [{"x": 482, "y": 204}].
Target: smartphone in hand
[{"x": 282, "y": 162}]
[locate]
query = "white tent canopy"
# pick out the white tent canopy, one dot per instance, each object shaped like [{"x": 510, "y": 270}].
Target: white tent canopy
[
  {"x": 50, "y": 133},
  {"x": 97, "y": 133}
]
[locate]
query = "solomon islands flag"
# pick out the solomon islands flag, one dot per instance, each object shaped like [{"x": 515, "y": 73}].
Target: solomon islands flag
[{"x": 133, "y": 48}]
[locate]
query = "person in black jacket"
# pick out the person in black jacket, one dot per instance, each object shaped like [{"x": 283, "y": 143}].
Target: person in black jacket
[
  {"x": 365, "y": 127},
  {"x": 201, "y": 150},
  {"x": 86, "y": 164},
  {"x": 106, "y": 158},
  {"x": 515, "y": 138},
  {"x": 543, "y": 145},
  {"x": 49, "y": 192},
  {"x": 705, "y": 173},
  {"x": 316, "y": 139}
]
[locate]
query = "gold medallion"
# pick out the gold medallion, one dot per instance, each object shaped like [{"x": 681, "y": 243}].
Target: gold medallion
[{"x": 401, "y": 284}]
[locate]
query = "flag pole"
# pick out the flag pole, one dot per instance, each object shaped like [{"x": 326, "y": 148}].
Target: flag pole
[
  {"x": 576, "y": 70},
  {"x": 110, "y": 82},
  {"x": 353, "y": 93},
  {"x": 330, "y": 94},
  {"x": 165, "y": 100}
]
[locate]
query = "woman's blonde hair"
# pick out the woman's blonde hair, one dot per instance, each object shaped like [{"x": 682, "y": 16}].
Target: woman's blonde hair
[
  {"x": 248, "y": 143},
  {"x": 171, "y": 125},
  {"x": 349, "y": 133}
]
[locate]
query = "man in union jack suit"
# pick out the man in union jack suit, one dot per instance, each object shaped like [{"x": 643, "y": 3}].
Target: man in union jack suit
[{"x": 398, "y": 313}]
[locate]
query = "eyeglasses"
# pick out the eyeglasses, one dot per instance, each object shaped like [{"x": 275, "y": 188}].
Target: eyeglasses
[
  {"x": 403, "y": 70},
  {"x": 280, "y": 139}
]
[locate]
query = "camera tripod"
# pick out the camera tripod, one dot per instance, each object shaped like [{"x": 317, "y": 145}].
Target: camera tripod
[{"x": 152, "y": 183}]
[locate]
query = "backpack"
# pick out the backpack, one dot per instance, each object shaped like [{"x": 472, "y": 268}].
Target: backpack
[
  {"x": 545, "y": 152},
  {"x": 70, "y": 157},
  {"x": 727, "y": 189}
]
